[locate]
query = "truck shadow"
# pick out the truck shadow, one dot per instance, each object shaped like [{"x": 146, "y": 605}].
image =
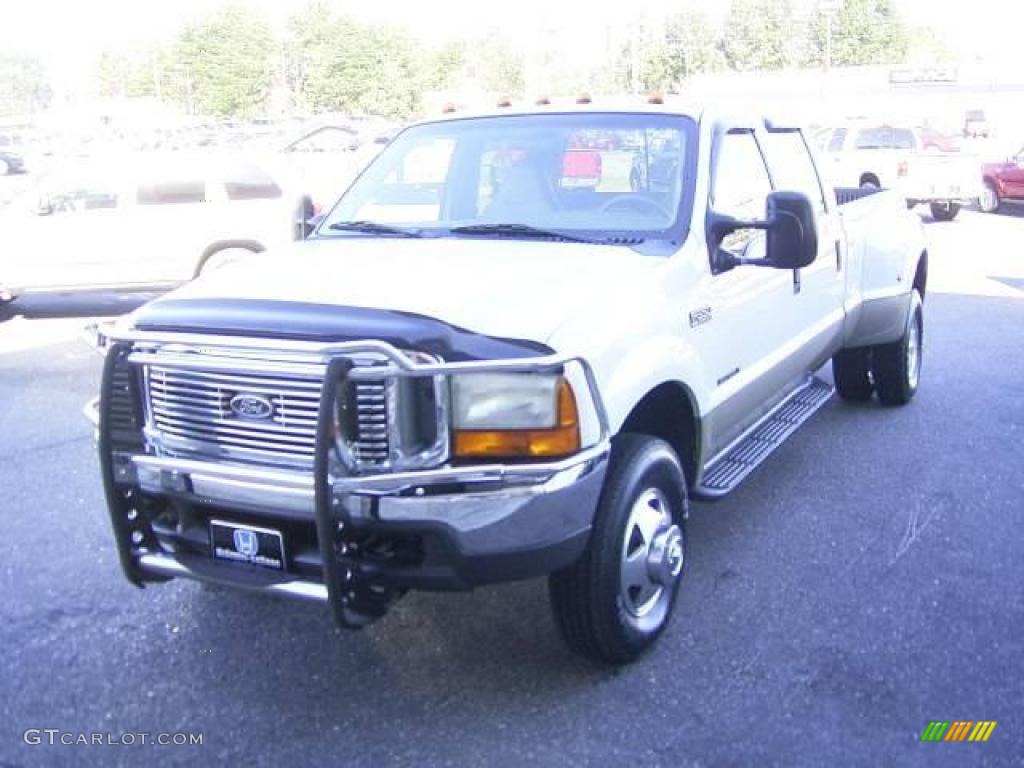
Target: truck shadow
[{"x": 470, "y": 649}]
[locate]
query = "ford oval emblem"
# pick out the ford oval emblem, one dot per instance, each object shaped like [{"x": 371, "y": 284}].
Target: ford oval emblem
[{"x": 251, "y": 406}]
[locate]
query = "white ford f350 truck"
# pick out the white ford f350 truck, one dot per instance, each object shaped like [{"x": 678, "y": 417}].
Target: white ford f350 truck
[{"x": 482, "y": 366}]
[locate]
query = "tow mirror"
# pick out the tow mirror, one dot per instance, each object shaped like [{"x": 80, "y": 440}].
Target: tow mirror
[
  {"x": 306, "y": 218},
  {"x": 792, "y": 231}
]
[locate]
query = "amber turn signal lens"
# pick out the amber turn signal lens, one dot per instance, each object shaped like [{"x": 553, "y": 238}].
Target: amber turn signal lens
[{"x": 558, "y": 441}]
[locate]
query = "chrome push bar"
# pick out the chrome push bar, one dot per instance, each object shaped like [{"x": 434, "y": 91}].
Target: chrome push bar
[{"x": 334, "y": 483}]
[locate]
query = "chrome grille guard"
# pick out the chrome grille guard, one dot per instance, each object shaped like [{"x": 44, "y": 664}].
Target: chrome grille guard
[
  {"x": 340, "y": 497},
  {"x": 269, "y": 356}
]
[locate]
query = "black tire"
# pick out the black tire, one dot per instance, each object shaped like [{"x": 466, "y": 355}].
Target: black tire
[
  {"x": 896, "y": 371},
  {"x": 585, "y": 597},
  {"x": 945, "y": 211},
  {"x": 851, "y": 371}
]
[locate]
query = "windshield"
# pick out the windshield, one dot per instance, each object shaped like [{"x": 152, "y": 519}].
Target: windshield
[{"x": 597, "y": 176}]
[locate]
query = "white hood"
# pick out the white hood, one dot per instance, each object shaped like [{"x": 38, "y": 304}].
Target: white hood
[{"x": 505, "y": 288}]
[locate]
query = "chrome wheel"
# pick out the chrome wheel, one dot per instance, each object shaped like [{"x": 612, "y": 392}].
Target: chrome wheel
[
  {"x": 652, "y": 559},
  {"x": 988, "y": 200},
  {"x": 914, "y": 354}
]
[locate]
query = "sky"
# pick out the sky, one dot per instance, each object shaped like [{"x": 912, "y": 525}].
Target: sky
[{"x": 68, "y": 34}]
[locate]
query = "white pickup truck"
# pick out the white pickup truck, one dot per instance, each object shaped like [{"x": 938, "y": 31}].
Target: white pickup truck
[
  {"x": 923, "y": 166},
  {"x": 476, "y": 369}
]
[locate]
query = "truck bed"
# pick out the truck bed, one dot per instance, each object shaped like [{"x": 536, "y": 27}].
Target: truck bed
[{"x": 846, "y": 195}]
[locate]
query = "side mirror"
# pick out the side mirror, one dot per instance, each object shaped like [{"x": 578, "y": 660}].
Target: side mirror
[
  {"x": 306, "y": 218},
  {"x": 303, "y": 217},
  {"x": 792, "y": 231}
]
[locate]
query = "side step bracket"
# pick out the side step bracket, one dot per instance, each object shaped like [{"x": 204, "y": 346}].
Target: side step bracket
[{"x": 729, "y": 468}]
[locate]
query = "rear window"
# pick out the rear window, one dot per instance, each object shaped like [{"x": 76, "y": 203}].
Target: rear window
[
  {"x": 874, "y": 138},
  {"x": 903, "y": 138},
  {"x": 792, "y": 167},
  {"x": 172, "y": 192},
  {"x": 248, "y": 182}
]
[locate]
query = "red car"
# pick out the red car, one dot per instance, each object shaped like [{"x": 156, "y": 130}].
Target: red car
[{"x": 1003, "y": 181}]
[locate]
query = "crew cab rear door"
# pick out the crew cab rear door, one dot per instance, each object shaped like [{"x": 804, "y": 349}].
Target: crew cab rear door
[{"x": 818, "y": 289}]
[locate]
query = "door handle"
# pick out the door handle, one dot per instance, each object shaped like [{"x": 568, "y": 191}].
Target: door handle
[{"x": 839, "y": 257}]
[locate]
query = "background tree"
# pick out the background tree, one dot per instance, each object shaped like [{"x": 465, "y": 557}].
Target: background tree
[
  {"x": 443, "y": 66},
  {"x": 689, "y": 48},
  {"x": 24, "y": 85},
  {"x": 863, "y": 32},
  {"x": 760, "y": 35},
  {"x": 226, "y": 61},
  {"x": 138, "y": 73},
  {"x": 363, "y": 69},
  {"x": 500, "y": 69},
  {"x": 925, "y": 46}
]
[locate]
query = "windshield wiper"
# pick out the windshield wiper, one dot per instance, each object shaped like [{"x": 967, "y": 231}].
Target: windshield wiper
[
  {"x": 523, "y": 230},
  {"x": 372, "y": 227}
]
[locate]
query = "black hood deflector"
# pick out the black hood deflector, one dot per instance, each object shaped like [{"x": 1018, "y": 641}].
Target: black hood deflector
[{"x": 294, "y": 320}]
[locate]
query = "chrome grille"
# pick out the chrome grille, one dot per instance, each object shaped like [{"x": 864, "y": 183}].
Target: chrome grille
[
  {"x": 371, "y": 444},
  {"x": 192, "y": 411},
  {"x": 124, "y": 408}
]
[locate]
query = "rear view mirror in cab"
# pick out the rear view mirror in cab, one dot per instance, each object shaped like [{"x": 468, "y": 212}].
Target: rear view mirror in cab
[{"x": 791, "y": 233}]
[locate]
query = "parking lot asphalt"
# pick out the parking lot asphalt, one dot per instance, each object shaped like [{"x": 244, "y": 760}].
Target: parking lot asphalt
[{"x": 866, "y": 580}]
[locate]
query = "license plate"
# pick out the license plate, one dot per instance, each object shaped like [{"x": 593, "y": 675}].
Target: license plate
[{"x": 247, "y": 544}]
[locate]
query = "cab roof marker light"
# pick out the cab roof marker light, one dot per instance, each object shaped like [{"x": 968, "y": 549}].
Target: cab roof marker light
[{"x": 584, "y": 98}]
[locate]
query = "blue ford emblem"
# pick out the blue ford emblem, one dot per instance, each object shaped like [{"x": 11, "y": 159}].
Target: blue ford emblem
[
  {"x": 251, "y": 406},
  {"x": 246, "y": 542}
]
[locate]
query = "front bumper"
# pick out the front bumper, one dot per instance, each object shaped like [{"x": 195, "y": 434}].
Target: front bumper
[
  {"x": 351, "y": 541},
  {"x": 485, "y": 528}
]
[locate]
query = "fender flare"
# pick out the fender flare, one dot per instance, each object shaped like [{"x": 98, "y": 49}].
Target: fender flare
[{"x": 222, "y": 245}]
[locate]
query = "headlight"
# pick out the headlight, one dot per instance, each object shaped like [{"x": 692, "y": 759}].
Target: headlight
[{"x": 513, "y": 415}]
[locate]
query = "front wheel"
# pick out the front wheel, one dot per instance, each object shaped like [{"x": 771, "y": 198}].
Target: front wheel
[
  {"x": 945, "y": 211},
  {"x": 616, "y": 600},
  {"x": 897, "y": 366}
]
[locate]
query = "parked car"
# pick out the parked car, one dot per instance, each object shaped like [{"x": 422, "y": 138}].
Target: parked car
[
  {"x": 11, "y": 162},
  {"x": 1003, "y": 182},
  {"x": 869, "y": 154},
  {"x": 141, "y": 222},
  {"x": 323, "y": 161},
  {"x": 463, "y": 378}
]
